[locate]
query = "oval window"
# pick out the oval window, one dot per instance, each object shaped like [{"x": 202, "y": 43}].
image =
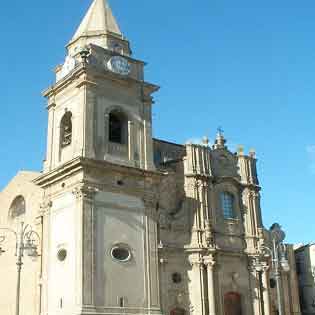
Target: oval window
[
  {"x": 121, "y": 253},
  {"x": 62, "y": 254},
  {"x": 177, "y": 277}
]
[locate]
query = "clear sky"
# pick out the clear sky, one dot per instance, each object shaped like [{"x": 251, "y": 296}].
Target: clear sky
[{"x": 247, "y": 66}]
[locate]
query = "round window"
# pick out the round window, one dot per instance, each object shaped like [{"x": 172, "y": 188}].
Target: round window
[
  {"x": 62, "y": 254},
  {"x": 121, "y": 253}
]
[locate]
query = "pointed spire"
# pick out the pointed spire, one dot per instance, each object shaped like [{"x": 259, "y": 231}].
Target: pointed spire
[{"x": 98, "y": 20}]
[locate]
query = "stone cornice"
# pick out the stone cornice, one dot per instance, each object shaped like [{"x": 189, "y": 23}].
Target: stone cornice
[
  {"x": 80, "y": 164},
  {"x": 223, "y": 179}
]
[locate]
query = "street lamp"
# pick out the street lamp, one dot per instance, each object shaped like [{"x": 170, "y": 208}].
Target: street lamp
[
  {"x": 25, "y": 243},
  {"x": 279, "y": 260}
]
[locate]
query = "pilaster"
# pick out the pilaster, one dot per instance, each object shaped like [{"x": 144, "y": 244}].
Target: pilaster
[
  {"x": 153, "y": 285},
  {"x": 265, "y": 288},
  {"x": 50, "y": 135},
  {"x": 85, "y": 244},
  {"x": 45, "y": 210},
  {"x": 209, "y": 262},
  {"x": 197, "y": 282}
]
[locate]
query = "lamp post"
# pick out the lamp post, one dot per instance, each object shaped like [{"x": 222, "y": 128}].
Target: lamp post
[
  {"x": 279, "y": 261},
  {"x": 25, "y": 243}
]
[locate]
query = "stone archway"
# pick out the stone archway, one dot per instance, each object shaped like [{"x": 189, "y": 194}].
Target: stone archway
[{"x": 232, "y": 304}]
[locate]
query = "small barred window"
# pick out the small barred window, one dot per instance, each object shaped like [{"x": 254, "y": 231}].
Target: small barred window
[{"x": 227, "y": 204}]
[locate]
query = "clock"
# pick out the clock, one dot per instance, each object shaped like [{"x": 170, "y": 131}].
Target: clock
[{"x": 119, "y": 65}]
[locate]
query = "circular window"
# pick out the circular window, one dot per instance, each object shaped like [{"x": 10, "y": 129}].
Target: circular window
[
  {"x": 62, "y": 254},
  {"x": 177, "y": 277},
  {"x": 121, "y": 253}
]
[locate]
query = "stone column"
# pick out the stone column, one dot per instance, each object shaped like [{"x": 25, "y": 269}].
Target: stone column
[
  {"x": 197, "y": 281},
  {"x": 256, "y": 297},
  {"x": 131, "y": 141},
  {"x": 85, "y": 243},
  {"x": 148, "y": 145},
  {"x": 210, "y": 262},
  {"x": 106, "y": 135},
  {"x": 265, "y": 288}
]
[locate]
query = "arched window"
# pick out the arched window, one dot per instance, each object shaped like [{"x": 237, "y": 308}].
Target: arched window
[
  {"x": 17, "y": 207},
  {"x": 118, "y": 132},
  {"x": 227, "y": 204},
  {"x": 66, "y": 130},
  {"x": 232, "y": 304}
]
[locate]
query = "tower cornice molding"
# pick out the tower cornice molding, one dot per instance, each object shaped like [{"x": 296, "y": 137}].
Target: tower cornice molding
[{"x": 88, "y": 74}]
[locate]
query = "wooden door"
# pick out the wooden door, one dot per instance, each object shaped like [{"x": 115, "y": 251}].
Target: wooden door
[
  {"x": 177, "y": 311},
  {"x": 232, "y": 304}
]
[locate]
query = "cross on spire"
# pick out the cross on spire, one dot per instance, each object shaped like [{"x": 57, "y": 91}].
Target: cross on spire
[{"x": 220, "y": 131}]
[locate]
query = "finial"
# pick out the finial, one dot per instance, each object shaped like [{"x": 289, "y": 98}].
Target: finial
[
  {"x": 84, "y": 53},
  {"x": 205, "y": 141},
  {"x": 220, "y": 131},
  {"x": 219, "y": 141},
  {"x": 252, "y": 153},
  {"x": 240, "y": 150}
]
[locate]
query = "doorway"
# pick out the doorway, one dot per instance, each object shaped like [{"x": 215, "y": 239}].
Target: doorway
[{"x": 232, "y": 304}]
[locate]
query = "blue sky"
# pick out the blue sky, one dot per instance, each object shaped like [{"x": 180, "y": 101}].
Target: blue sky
[{"x": 247, "y": 66}]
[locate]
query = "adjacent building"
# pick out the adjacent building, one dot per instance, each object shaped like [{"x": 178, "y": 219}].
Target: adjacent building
[
  {"x": 305, "y": 265},
  {"x": 129, "y": 224}
]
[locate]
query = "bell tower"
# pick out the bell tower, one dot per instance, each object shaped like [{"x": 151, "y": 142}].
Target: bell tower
[
  {"x": 100, "y": 184},
  {"x": 100, "y": 105}
]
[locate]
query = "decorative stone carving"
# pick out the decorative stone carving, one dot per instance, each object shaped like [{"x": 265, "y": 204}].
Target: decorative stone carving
[
  {"x": 164, "y": 220},
  {"x": 84, "y": 192},
  {"x": 208, "y": 233},
  {"x": 45, "y": 206},
  {"x": 196, "y": 262},
  {"x": 209, "y": 261}
]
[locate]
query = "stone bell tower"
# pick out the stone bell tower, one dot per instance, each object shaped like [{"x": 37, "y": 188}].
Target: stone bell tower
[
  {"x": 100, "y": 106},
  {"x": 99, "y": 221}
]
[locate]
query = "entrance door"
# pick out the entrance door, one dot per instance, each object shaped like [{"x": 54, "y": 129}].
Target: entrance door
[{"x": 232, "y": 304}]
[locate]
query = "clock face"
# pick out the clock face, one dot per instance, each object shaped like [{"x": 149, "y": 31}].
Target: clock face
[{"x": 119, "y": 65}]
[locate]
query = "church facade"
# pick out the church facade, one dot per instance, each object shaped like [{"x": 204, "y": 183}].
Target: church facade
[{"x": 129, "y": 224}]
